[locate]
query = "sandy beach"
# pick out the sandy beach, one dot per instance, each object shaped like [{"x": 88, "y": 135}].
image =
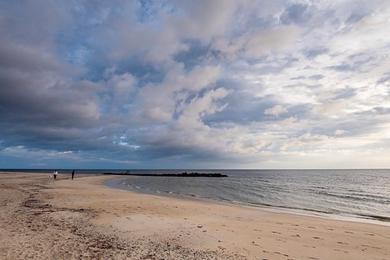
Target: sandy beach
[{"x": 83, "y": 219}]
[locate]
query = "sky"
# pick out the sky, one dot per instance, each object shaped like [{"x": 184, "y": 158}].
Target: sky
[{"x": 195, "y": 84}]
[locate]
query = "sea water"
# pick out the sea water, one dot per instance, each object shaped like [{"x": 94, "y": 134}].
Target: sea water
[{"x": 356, "y": 193}]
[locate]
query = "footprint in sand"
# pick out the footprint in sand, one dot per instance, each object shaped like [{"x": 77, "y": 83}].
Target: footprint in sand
[
  {"x": 373, "y": 247},
  {"x": 279, "y": 253},
  {"x": 275, "y": 232},
  {"x": 316, "y": 238},
  {"x": 338, "y": 250}
]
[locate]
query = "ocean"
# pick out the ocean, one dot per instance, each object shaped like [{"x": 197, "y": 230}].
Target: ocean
[{"x": 363, "y": 194}]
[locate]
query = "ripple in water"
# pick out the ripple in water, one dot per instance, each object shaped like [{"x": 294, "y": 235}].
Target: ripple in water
[{"x": 359, "y": 193}]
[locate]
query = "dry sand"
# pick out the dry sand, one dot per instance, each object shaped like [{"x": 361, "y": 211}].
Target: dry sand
[{"x": 83, "y": 219}]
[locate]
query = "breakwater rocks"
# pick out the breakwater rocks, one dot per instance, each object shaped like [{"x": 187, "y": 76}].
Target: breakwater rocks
[{"x": 183, "y": 174}]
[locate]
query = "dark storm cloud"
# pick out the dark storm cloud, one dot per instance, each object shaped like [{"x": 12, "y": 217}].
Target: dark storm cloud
[{"x": 43, "y": 104}]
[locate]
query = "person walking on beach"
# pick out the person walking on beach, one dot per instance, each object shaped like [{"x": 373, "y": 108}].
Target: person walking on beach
[
  {"x": 55, "y": 175},
  {"x": 72, "y": 174}
]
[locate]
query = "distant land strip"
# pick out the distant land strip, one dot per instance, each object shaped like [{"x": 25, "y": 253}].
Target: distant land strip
[{"x": 183, "y": 174}]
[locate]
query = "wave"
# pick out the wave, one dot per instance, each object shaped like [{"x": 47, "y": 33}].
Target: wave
[{"x": 358, "y": 193}]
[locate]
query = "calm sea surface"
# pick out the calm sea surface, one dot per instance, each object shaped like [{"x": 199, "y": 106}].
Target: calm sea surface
[{"x": 350, "y": 193}]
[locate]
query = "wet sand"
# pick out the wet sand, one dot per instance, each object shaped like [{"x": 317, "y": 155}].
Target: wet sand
[{"x": 83, "y": 219}]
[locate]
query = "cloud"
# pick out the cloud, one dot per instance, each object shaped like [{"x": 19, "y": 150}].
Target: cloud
[
  {"x": 194, "y": 84},
  {"x": 275, "y": 110}
]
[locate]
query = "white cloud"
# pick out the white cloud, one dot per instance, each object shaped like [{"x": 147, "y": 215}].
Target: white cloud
[{"x": 275, "y": 110}]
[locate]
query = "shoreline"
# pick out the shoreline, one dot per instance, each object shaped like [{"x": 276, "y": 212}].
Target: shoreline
[
  {"x": 295, "y": 211},
  {"x": 84, "y": 219}
]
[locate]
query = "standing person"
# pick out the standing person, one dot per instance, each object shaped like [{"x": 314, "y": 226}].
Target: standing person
[
  {"x": 55, "y": 174},
  {"x": 72, "y": 174}
]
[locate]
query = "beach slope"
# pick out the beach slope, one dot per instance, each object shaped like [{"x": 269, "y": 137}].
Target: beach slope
[{"x": 83, "y": 219}]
